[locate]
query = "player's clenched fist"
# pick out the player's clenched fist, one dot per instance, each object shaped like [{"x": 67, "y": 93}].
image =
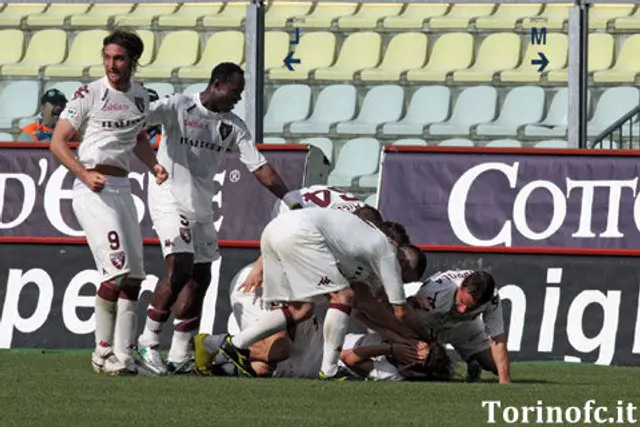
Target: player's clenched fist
[
  {"x": 160, "y": 173},
  {"x": 94, "y": 180}
]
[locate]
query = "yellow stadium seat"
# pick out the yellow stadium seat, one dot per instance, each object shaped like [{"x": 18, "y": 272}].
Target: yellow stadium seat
[
  {"x": 460, "y": 16},
  {"x": 316, "y": 50},
  {"x": 324, "y": 14},
  {"x": 12, "y": 15},
  {"x": 442, "y": 62},
  {"x": 84, "y": 52},
  {"x": 631, "y": 22},
  {"x": 406, "y": 51},
  {"x": 552, "y": 17},
  {"x": 223, "y": 46},
  {"x": 99, "y": 15},
  {"x": 507, "y": 16},
  {"x": 233, "y": 15},
  {"x": 46, "y": 47},
  {"x": 369, "y": 15},
  {"x": 143, "y": 14},
  {"x": 11, "y": 41},
  {"x": 148, "y": 38},
  {"x": 498, "y": 52},
  {"x": 276, "y": 46},
  {"x": 178, "y": 49},
  {"x": 556, "y": 50},
  {"x": 626, "y": 67},
  {"x": 414, "y": 16},
  {"x": 359, "y": 51},
  {"x": 188, "y": 14},
  {"x": 601, "y": 14},
  {"x": 279, "y": 13},
  {"x": 55, "y": 15},
  {"x": 601, "y": 48}
]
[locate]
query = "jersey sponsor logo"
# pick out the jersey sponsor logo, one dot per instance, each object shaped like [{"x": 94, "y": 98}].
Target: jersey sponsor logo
[
  {"x": 120, "y": 124},
  {"x": 201, "y": 144},
  {"x": 195, "y": 124},
  {"x": 139, "y": 103},
  {"x": 225, "y": 130},
  {"x": 117, "y": 259},
  {"x": 115, "y": 107}
]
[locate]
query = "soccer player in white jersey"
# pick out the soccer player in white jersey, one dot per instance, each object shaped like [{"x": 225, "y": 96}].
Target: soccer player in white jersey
[
  {"x": 197, "y": 130},
  {"x": 463, "y": 308},
  {"x": 304, "y": 252},
  {"x": 110, "y": 114}
]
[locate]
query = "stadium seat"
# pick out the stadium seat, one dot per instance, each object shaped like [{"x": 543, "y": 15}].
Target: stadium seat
[
  {"x": 68, "y": 87},
  {"x": 601, "y": 47},
  {"x": 607, "y": 144},
  {"x": 507, "y": 16},
  {"x": 46, "y": 47},
  {"x": 13, "y": 14},
  {"x": 6, "y": 137},
  {"x": 188, "y": 14},
  {"x": 460, "y": 15},
  {"x": 143, "y": 14},
  {"x": 178, "y": 49},
  {"x": 276, "y": 46},
  {"x": 358, "y": 157},
  {"x": 552, "y": 143},
  {"x": 83, "y": 54},
  {"x": 522, "y": 106},
  {"x": 289, "y": 103},
  {"x": 627, "y": 65},
  {"x": 324, "y": 144},
  {"x": 456, "y": 142},
  {"x": 222, "y": 46},
  {"x": 148, "y": 38},
  {"x": 406, "y": 51},
  {"x": 414, "y": 16},
  {"x": 55, "y": 15},
  {"x": 100, "y": 15},
  {"x": 415, "y": 142},
  {"x": 504, "y": 143},
  {"x": 195, "y": 88},
  {"x": 556, "y": 50},
  {"x": 279, "y": 14},
  {"x": 336, "y": 103},
  {"x": 324, "y": 14},
  {"x": 613, "y": 104},
  {"x": 498, "y": 52},
  {"x": 273, "y": 140},
  {"x": 429, "y": 104},
  {"x": 553, "y": 17},
  {"x": 233, "y": 15},
  {"x": 601, "y": 14},
  {"x": 631, "y": 22},
  {"x": 381, "y": 104},
  {"x": 239, "y": 109},
  {"x": 555, "y": 124},
  {"x": 162, "y": 89},
  {"x": 359, "y": 51},
  {"x": 372, "y": 200},
  {"x": 369, "y": 181},
  {"x": 11, "y": 41},
  {"x": 369, "y": 15},
  {"x": 441, "y": 62},
  {"x": 317, "y": 49},
  {"x": 18, "y": 99},
  {"x": 474, "y": 105}
]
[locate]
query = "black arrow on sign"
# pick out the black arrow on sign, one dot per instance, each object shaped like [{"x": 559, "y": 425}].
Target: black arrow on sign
[
  {"x": 289, "y": 59},
  {"x": 542, "y": 62}
]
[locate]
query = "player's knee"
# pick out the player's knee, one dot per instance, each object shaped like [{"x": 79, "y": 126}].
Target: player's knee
[
  {"x": 179, "y": 271},
  {"x": 130, "y": 291},
  {"x": 109, "y": 290}
]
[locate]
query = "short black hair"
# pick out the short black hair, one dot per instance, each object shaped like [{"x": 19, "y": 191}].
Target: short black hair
[
  {"x": 369, "y": 213},
  {"x": 129, "y": 41},
  {"x": 438, "y": 365},
  {"x": 224, "y": 71},
  {"x": 396, "y": 232},
  {"x": 416, "y": 259},
  {"x": 480, "y": 285}
]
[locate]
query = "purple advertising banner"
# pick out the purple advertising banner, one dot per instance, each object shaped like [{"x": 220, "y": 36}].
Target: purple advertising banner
[
  {"x": 35, "y": 194},
  {"x": 510, "y": 199}
]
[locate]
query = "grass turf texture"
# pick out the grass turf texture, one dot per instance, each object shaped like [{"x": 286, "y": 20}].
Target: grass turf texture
[{"x": 58, "y": 388}]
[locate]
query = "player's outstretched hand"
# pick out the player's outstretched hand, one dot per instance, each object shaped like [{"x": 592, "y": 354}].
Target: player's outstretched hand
[
  {"x": 160, "y": 173},
  {"x": 94, "y": 180},
  {"x": 251, "y": 284},
  {"x": 409, "y": 352}
]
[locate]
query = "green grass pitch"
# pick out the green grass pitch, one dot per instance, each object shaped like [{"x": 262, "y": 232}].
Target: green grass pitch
[{"x": 58, "y": 388}]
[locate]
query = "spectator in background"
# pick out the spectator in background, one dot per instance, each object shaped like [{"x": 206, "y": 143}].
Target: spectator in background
[
  {"x": 154, "y": 133},
  {"x": 51, "y": 105}
]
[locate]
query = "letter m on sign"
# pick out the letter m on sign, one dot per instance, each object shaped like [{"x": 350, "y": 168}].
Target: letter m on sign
[{"x": 539, "y": 36}]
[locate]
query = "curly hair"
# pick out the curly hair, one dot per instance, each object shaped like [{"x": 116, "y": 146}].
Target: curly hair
[{"x": 129, "y": 41}]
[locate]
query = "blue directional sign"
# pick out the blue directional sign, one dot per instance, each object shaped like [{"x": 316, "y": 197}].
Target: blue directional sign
[
  {"x": 539, "y": 37},
  {"x": 289, "y": 59}
]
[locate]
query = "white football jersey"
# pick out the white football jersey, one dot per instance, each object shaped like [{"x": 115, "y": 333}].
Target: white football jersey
[
  {"x": 108, "y": 122},
  {"x": 320, "y": 196},
  {"x": 354, "y": 242},
  {"x": 194, "y": 140},
  {"x": 439, "y": 290}
]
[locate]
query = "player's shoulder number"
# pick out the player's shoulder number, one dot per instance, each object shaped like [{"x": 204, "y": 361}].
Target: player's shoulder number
[{"x": 322, "y": 198}]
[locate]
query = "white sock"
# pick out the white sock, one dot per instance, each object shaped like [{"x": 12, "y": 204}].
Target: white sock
[
  {"x": 151, "y": 335},
  {"x": 269, "y": 323},
  {"x": 105, "y": 321},
  {"x": 334, "y": 330},
  {"x": 179, "y": 350},
  {"x": 126, "y": 322}
]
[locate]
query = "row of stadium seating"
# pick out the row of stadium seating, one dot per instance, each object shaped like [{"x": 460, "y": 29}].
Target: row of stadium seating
[
  {"x": 412, "y": 56},
  {"x": 344, "y": 16}
]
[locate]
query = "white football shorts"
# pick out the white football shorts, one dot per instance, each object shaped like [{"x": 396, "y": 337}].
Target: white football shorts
[{"x": 110, "y": 222}]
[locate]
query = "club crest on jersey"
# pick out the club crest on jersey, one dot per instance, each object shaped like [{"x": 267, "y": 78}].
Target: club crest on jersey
[
  {"x": 139, "y": 104},
  {"x": 185, "y": 233},
  {"x": 225, "y": 130},
  {"x": 117, "y": 259}
]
